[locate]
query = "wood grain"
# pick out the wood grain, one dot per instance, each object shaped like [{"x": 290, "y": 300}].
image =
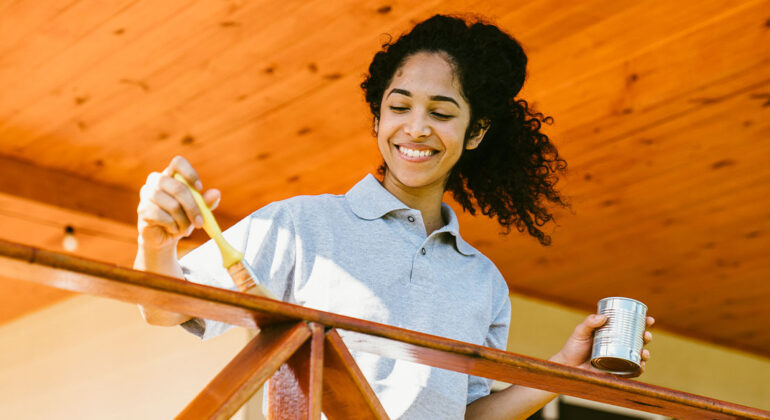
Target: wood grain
[
  {"x": 661, "y": 110},
  {"x": 294, "y": 391},
  {"x": 243, "y": 376},
  {"x": 77, "y": 274},
  {"x": 346, "y": 393}
]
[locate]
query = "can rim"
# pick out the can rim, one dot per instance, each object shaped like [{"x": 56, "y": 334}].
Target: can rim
[
  {"x": 610, "y": 364},
  {"x": 624, "y": 298}
]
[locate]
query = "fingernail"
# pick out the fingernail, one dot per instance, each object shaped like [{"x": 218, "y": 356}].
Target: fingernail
[
  {"x": 198, "y": 221},
  {"x": 199, "y": 185}
]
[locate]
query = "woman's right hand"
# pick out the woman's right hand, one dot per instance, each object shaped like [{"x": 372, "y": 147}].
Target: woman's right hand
[{"x": 167, "y": 211}]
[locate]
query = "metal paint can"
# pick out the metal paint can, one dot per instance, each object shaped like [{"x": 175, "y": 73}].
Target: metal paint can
[{"x": 617, "y": 346}]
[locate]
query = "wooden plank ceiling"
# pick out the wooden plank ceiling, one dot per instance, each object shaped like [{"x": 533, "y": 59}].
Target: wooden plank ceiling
[{"x": 661, "y": 108}]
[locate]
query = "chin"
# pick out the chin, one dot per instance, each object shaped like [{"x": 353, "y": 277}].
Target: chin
[{"x": 414, "y": 180}]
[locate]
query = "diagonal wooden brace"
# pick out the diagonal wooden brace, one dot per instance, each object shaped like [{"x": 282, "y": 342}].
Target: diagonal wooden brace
[
  {"x": 346, "y": 393},
  {"x": 243, "y": 376}
]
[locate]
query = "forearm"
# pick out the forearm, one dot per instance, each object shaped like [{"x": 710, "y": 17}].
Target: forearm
[
  {"x": 160, "y": 261},
  {"x": 514, "y": 402}
]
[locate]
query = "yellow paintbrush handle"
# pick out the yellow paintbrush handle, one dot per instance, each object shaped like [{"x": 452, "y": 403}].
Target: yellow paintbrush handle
[{"x": 230, "y": 255}]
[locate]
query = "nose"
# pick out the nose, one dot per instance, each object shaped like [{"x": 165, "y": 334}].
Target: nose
[{"x": 417, "y": 126}]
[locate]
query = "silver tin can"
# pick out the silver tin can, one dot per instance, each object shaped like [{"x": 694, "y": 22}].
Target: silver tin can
[{"x": 617, "y": 346}]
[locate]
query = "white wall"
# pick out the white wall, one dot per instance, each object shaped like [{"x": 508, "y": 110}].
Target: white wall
[{"x": 94, "y": 358}]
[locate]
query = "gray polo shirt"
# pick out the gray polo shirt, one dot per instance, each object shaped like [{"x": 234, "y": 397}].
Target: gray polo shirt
[{"x": 366, "y": 255}]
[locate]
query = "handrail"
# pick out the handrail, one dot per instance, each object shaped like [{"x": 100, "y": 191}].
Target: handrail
[{"x": 332, "y": 359}]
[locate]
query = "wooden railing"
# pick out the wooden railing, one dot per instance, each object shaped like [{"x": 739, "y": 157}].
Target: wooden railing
[{"x": 311, "y": 367}]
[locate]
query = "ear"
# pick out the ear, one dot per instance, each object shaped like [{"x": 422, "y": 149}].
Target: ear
[
  {"x": 376, "y": 125},
  {"x": 480, "y": 128}
]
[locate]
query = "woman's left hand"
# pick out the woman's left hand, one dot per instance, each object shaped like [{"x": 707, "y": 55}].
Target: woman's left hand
[{"x": 577, "y": 350}]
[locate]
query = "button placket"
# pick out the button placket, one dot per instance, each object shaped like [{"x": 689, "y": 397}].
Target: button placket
[{"x": 422, "y": 267}]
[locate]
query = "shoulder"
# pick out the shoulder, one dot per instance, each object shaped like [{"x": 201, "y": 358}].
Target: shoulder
[
  {"x": 304, "y": 212},
  {"x": 312, "y": 207},
  {"x": 308, "y": 202},
  {"x": 302, "y": 204},
  {"x": 495, "y": 281},
  {"x": 491, "y": 273}
]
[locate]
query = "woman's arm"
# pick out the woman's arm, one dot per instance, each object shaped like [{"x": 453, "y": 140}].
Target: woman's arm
[
  {"x": 167, "y": 212},
  {"x": 160, "y": 261},
  {"x": 519, "y": 402}
]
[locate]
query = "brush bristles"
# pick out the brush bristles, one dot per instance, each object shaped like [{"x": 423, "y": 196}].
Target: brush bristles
[{"x": 245, "y": 282}]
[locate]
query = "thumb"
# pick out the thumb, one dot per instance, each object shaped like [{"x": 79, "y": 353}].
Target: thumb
[
  {"x": 212, "y": 197},
  {"x": 585, "y": 330}
]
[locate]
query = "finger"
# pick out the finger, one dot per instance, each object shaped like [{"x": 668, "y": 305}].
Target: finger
[
  {"x": 645, "y": 355},
  {"x": 212, "y": 197},
  {"x": 181, "y": 166},
  {"x": 650, "y": 320},
  {"x": 184, "y": 197},
  {"x": 171, "y": 206},
  {"x": 151, "y": 215},
  {"x": 647, "y": 337},
  {"x": 585, "y": 330}
]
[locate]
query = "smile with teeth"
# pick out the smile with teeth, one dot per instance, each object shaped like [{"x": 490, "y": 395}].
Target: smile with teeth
[{"x": 415, "y": 153}]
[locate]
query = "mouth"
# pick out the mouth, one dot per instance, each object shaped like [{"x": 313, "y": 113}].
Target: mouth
[{"x": 415, "y": 154}]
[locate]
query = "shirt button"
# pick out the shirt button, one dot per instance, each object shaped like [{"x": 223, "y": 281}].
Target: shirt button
[
  {"x": 410, "y": 218},
  {"x": 422, "y": 251}
]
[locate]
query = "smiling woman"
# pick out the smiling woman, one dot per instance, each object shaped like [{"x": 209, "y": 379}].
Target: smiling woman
[
  {"x": 389, "y": 251},
  {"x": 421, "y": 131},
  {"x": 475, "y": 73}
]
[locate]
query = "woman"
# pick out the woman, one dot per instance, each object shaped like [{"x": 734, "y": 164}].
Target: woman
[{"x": 389, "y": 251}]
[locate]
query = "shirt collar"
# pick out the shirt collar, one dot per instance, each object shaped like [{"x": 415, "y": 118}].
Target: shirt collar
[
  {"x": 370, "y": 200},
  {"x": 453, "y": 227}
]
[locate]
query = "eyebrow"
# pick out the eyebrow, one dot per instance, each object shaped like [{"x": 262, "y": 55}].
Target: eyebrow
[{"x": 432, "y": 98}]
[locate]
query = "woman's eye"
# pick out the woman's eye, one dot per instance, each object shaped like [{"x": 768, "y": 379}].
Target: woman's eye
[
  {"x": 441, "y": 116},
  {"x": 399, "y": 108}
]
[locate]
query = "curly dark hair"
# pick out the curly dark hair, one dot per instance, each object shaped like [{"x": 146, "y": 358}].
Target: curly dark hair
[{"x": 512, "y": 174}]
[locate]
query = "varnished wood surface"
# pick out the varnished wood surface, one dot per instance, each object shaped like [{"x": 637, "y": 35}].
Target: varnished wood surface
[
  {"x": 346, "y": 393},
  {"x": 76, "y": 274},
  {"x": 315, "y": 371},
  {"x": 246, "y": 373},
  {"x": 294, "y": 391},
  {"x": 660, "y": 107}
]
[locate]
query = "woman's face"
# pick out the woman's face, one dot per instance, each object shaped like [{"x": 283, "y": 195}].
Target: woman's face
[{"x": 423, "y": 120}]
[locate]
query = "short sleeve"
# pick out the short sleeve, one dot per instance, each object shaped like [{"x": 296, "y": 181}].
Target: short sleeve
[
  {"x": 267, "y": 240},
  {"x": 497, "y": 337}
]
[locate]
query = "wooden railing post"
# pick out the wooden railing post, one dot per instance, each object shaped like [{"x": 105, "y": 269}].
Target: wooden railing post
[{"x": 294, "y": 392}]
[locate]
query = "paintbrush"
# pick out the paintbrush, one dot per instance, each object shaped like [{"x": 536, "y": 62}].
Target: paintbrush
[{"x": 242, "y": 274}]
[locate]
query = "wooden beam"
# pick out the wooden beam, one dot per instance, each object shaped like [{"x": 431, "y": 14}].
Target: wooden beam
[
  {"x": 243, "y": 376},
  {"x": 346, "y": 393},
  {"x": 73, "y": 192},
  {"x": 36, "y": 206},
  {"x": 77, "y": 274},
  {"x": 67, "y": 191},
  {"x": 294, "y": 392},
  {"x": 37, "y": 224}
]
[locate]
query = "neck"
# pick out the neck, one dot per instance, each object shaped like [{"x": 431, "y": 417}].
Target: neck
[{"x": 426, "y": 199}]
